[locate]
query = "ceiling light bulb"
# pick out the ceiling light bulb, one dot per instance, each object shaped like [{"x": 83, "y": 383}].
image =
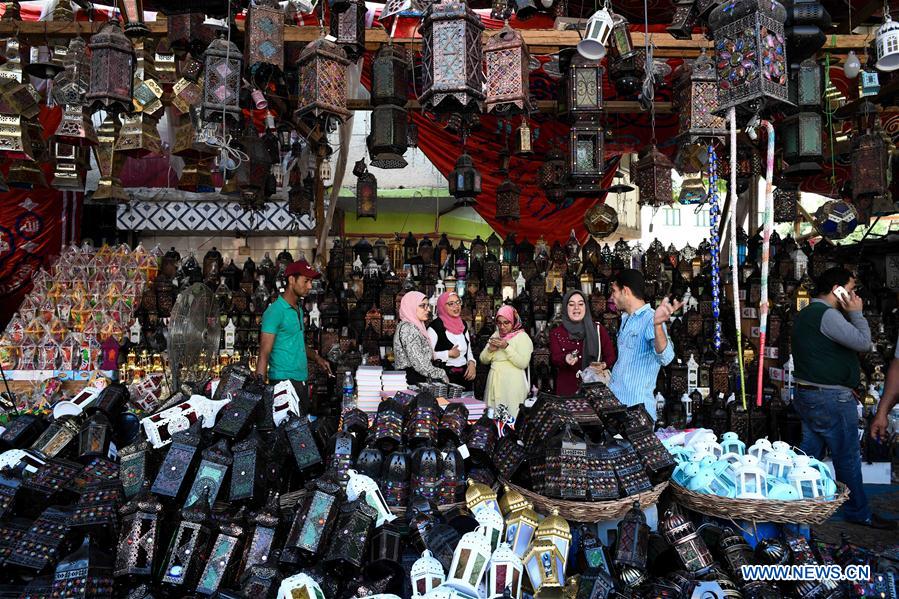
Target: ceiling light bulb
[{"x": 852, "y": 66}]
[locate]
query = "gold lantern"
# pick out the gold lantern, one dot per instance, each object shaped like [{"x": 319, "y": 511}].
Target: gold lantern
[{"x": 109, "y": 161}]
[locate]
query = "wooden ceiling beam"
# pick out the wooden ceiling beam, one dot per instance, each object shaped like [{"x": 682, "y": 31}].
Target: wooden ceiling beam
[
  {"x": 609, "y": 107},
  {"x": 860, "y": 16},
  {"x": 539, "y": 41}
]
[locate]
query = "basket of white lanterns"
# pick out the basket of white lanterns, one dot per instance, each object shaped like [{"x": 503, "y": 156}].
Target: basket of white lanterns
[{"x": 766, "y": 482}]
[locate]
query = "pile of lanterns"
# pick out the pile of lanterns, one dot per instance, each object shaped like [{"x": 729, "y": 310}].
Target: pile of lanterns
[{"x": 765, "y": 470}]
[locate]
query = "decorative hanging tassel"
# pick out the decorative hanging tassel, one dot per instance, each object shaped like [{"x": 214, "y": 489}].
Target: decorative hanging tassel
[
  {"x": 734, "y": 262},
  {"x": 766, "y": 255},
  {"x": 714, "y": 212}
]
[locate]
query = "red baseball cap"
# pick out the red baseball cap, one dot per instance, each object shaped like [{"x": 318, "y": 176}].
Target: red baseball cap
[{"x": 301, "y": 268}]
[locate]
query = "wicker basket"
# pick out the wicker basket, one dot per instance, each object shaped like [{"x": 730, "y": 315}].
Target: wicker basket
[
  {"x": 800, "y": 511},
  {"x": 590, "y": 511},
  {"x": 289, "y": 501}
]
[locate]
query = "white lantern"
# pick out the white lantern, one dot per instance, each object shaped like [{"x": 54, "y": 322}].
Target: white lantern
[
  {"x": 687, "y": 402},
  {"x": 492, "y": 525},
  {"x": 730, "y": 443},
  {"x": 284, "y": 402},
  {"x": 75, "y": 406},
  {"x": 505, "y": 572},
  {"x": 783, "y": 447},
  {"x": 300, "y": 585},
  {"x": 760, "y": 449},
  {"x": 886, "y": 42},
  {"x": 692, "y": 376},
  {"x": 805, "y": 478},
  {"x": 751, "y": 479},
  {"x": 852, "y": 66},
  {"x": 660, "y": 404},
  {"x": 426, "y": 574},
  {"x": 556, "y": 529},
  {"x": 779, "y": 464},
  {"x": 599, "y": 28},
  {"x": 469, "y": 562},
  {"x": 360, "y": 483}
]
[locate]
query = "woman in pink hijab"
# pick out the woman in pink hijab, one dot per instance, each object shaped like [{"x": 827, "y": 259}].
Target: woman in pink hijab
[
  {"x": 449, "y": 337},
  {"x": 509, "y": 354},
  {"x": 411, "y": 347}
]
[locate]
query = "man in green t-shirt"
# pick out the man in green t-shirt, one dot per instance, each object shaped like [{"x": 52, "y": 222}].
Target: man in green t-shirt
[{"x": 282, "y": 343}]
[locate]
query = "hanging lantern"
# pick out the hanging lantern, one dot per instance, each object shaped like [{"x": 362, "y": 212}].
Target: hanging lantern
[
  {"x": 390, "y": 76},
  {"x": 696, "y": 101},
  {"x": 366, "y": 192},
  {"x": 786, "y": 203},
  {"x": 323, "y": 72},
  {"x": 188, "y": 32},
  {"x": 802, "y": 145},
  {"x": 507, "y": 58},
  {"x": 223, "y": 64},
  {"x": 465, "y": 181},
  {"x": 807, "y": 22},
  {"x": 692, "y": 190},
  {"x": 601, "y": 220},
  {"x": 452, "y": 58},
  {"x": 112, "y": 69},
  {"x": 264, "y": 35},
  {"x": 836, "y": 219},
  {"x": 685, "y": 16},
  {"x": 388, "y": 139},
  {"x": 886, "y": 42},
  {"x": 596, "y": 35},
  {"x": 586, "y": 160},
  {"x": 508, "y": 201},
  {"x": 622, "y": 45},
  {"x": 348, "y": 29},
  {"x": 553, "y": 174},
  {"x": 252, "y": 175},
  {"x": 870, "y": 164},
  {"x": 139, "y": 136},
  {"x": 652, "y": 174},
  {"x": 583, "y": 85},
  {"x": 132, "y": 12},
  {"x": 753, "y": 30}
]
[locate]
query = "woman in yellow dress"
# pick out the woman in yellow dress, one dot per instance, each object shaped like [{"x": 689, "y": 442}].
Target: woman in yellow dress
[{"x": 509, "y": 353}]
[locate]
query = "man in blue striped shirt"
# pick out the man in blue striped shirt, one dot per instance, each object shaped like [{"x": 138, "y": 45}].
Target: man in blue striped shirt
[{"x": 643, "y": 342}]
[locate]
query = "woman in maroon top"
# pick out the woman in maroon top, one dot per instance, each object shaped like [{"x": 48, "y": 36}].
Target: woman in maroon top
[{"x": 577, "y": 344}]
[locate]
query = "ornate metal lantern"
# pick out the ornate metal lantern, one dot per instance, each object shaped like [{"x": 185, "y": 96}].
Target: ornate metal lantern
[
  {"x": 803, "y": 148},
  {"x": 187, "y": 32},
  {"x": 601, "y": 221},
  {"x": 553, "y": 174},
  {"x": 685, "y": 15},
  {"x": 390, "y": 76},
  {"x": 223, "y": 64},
  {"x": 264, "y": 526},
  {"x": 211, "y": 472},
  {"x": 786, "y": 202},
  {"x": 187, "y": 552},
  {"x": 366, "y": 191},
  {"x": 94, "y": 437},
  {"x": 696, "y": 99},
  {"x": 348, "y": 28},
  {"x": 544, "y": 566},
  {"x": 521, "y": 522},
  {"x": 56, "y": 437},
  {"x": 870, "y": 164},
  {"x": 586, "y": 160},
  {"x": 754, "y": 31},
  {"x": 247, "y": 469},
  {"x": 633, "y": 539},
  {"x": 139, "y": 534},
  {"x": 265, "y": 34},
  {"x": 387, "y": 141},
  {"x": 355, "y": 523},
  {"x": 323, "y": 70},
  {"x": 178, "y": 461},
  {"x": 312, "y": 525},
  {"x": 452, "y": 55},
  {"x": 132, "y": 12},
  {"x": 583, "y": 86},
  {"x": 112, "y": 68},
  {"x": 508, "y": 72},
  {"x": 86, "y": 572},
  {"x": 223, "y": 556},
  {"x": 465, "y": 181},
  {"x": 681, "y": 534},
  {"x": 652, "y": 174}
]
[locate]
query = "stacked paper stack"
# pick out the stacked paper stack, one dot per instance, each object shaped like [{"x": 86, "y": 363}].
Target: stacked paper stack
[
  {"x": 475, "y": 406},
  {"x": 394, "y": 380},
  {"x": 368, "y": 388}
]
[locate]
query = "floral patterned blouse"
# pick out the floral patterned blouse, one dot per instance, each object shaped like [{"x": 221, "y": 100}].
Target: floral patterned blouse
[{"x": 411, "y": 349}]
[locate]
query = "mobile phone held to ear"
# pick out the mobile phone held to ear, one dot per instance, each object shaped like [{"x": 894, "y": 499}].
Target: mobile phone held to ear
[{"x": 841, "y": 294}]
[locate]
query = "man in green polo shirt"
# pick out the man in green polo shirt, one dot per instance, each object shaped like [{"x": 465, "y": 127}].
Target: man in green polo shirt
[{"x": 282, "y": 343}]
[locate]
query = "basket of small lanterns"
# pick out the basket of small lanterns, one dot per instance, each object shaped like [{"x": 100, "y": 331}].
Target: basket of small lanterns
[{"x": 767, "y": 482}]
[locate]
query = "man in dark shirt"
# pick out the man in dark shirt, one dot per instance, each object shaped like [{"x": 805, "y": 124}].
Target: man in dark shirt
[{"x": 827, "y": 372}]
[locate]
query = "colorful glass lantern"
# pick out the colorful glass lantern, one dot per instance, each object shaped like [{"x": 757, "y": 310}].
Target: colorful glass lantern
[
  {"x": 552, "y": 175},
  {"x": 685, "y": 15},
  {"x": 507, "y": 58},
  {"x": 465, "y": 181},
  {"x": 223, "y": 555},
  {"x": 348, "y": 28},
  {"x": 599, "y": 28},
  {"x": 139, "y": 534},
  {"x": 261, "y": 535},
  {"x": 750, "y": 54},
  {"x": 323, "y": 89},
  {"x": 544, "y": 566},
  {"x": 452, "y": 56},
  {"x": 750, "y": 479},
  {"x": 426, "y": 574},
  {"x": 347, "y": 550},
  {"x": 188, "y": 550},
  {"x": 360, "y": 484},
  {"x": 886, "y": 42},
  {"x": 366, "y": 191},
  {"x": 586, "y": 159},
  {"x": 505, "y": 573},
  {"x": 312, "y": 525},
  {"x": 836, "y": 219},
  {"x": 696, "y": 99},
  {"x": 470, "y": 560},
  {"x": 265, "y": 34},
  {"x": 633, "y": 539},
  {"x": 86, "y": 572},
  {"x": 491, "y": 524},
  {"x": 112, "y": 69},
  {"x": 583, "y": 86},
  {"x": 652, "y": 174},
  {"x": 681, "y": 534},
  {"x": 223, "y": 64}
]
